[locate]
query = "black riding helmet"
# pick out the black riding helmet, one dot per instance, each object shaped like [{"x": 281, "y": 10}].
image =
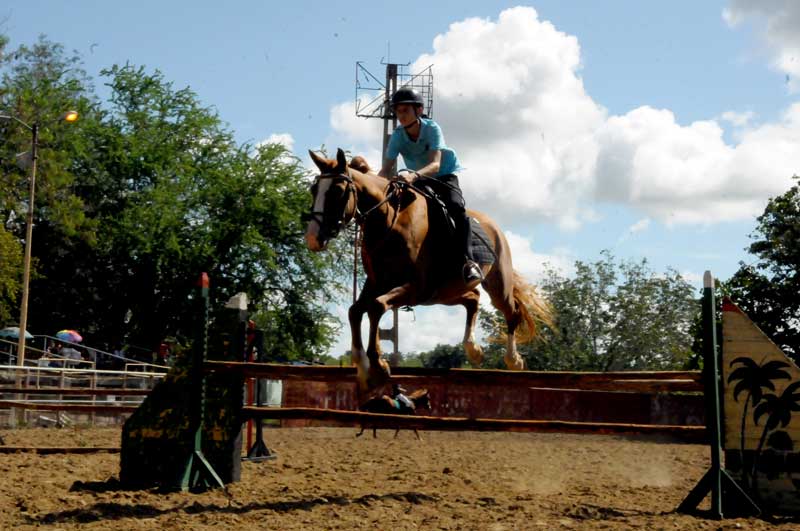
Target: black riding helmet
[{"x": 406, "y": 95}]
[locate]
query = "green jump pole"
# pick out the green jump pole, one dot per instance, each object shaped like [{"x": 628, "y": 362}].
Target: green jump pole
[
  {"x": 716, "y": 480},
  {"x": 199, "y": 474}
]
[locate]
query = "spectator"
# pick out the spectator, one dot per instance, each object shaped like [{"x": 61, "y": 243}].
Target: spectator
[{"x": 71, "y": 354}]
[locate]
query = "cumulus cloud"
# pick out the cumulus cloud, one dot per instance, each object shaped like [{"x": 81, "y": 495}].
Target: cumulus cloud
[
  {"x": 737, "y": 119},
  {"x": 532, "y": 265},
  {"x": 512, "y": 103},
  {"x": 778, "y": 21},
  {"x": 535, "y": 145},
  {"x": 688, "y": 174},
  {"x": 279, "y": 138}
]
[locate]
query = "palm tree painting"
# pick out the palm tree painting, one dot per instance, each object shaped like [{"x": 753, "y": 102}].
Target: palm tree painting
[
  {"x": 778, "y": 410},
  {"x": 752, "y": 379}
]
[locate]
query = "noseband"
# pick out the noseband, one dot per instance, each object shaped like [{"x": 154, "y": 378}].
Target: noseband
[
  {"x": 346, "y": 216},
  {"x": 355, "y": 214}
]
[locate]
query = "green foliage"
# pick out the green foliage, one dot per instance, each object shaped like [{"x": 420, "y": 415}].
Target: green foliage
[
  {"x": 10, "y": 274},
  {"x": 444, "y": 357},
  {"x": 609, "y": 316},
  {"x": 767, "y": 290},
  {"x": 143, "y": 194},
  {"x": 38, "y": 85}
]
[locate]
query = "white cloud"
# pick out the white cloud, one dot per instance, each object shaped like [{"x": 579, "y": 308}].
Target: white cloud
[
  {"x": 352, "y": 129},
  {"x": 778, "y": 21},
  {"x": 640, "y": 226},
  {"x": 695, "y": 279},
  {"x": 512, "y": 104},
  {"x": 420, "y": 330},
  {"x": 535, "y": 145},
  {"x": 737, "y": 119},
  {"x": 279, "y": 138},
  {"x": 532, "y": 265}
]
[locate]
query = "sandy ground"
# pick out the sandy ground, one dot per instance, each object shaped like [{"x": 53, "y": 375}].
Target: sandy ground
[{"x": 325, "y": 478}]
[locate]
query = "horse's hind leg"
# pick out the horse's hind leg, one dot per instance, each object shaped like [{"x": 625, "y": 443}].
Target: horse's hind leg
[
  {"x": 501, "y": 292},
  {"x": 359, "y": 434}
]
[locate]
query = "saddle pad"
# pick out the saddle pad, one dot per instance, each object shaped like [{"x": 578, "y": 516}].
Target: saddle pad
[{"x": 481, "y": 251}]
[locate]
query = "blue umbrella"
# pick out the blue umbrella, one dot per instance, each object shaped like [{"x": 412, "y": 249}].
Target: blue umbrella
[{"x": 13, "y": 332}]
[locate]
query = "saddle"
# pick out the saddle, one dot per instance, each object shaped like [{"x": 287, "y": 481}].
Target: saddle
[{"x": 479, "y": 241}]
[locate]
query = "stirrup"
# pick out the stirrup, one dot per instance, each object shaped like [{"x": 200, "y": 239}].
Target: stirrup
[{"x": 473, "y": 275}]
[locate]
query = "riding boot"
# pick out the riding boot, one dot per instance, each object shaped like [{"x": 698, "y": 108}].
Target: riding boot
[{"x": 472, "y": 271}]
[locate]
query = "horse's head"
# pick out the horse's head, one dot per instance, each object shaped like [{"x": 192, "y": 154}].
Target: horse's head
[{"x": 334, "y": 199}]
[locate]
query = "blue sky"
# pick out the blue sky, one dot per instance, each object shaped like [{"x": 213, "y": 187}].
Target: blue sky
[{"x": 657, "y": 130}]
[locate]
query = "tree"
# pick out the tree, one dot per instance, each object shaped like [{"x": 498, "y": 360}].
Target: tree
[
  {"x": 767, "y": 290},
  {"x": 444, "y": 357},
  {"x": 37, "y": 85},
  {"x": 610, "y": 316},
  {"x": 148, "y": 191},
  {"x": 10, "y": 274}
]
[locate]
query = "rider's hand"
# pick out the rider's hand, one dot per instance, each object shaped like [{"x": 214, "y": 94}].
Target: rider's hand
[{"x": 404, "y": 177}]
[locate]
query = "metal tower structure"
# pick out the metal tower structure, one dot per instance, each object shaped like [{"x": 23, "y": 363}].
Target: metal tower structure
[{"x": 372, "y": 101}]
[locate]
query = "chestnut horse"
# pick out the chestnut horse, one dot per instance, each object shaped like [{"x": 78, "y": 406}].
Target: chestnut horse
[{"x": 410, "y": 262}]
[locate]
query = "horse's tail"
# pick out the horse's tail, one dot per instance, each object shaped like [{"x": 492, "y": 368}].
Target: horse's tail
[{"x": 533, "y": 308}]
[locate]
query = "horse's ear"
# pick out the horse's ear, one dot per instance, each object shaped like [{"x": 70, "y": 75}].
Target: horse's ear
[
  {"x": 321, "y": 163},
  {"x": 341, "y": 161}
]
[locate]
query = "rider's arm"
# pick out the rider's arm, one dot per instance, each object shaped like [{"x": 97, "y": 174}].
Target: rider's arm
[
  {"x": 390, "y": 157},
  {"x": 386, "y": 169},
  {"x": 432, "y": 167}
]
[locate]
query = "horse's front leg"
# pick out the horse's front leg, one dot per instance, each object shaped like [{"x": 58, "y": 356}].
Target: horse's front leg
[
  {"x": 355, "y": 314},
  {"x": 379, "y": 372}
]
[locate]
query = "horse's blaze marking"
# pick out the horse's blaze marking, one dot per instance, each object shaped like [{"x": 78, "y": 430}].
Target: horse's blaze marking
[{"x": 312, "y": 232}]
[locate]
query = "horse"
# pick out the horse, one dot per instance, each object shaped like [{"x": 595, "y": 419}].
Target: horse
[
  {"x": 390, "y": 406},
  {"x": 410, "y": 258}
]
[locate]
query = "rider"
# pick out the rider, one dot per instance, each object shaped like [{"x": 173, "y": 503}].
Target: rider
[
  {"x": 420, "y": 141},
  {"x": 399, "y": 394}
]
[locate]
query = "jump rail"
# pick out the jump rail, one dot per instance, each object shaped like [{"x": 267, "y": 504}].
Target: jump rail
[
  {"x": 687, "y": 433},
  {"x": 83, "y": 408},
  {"x": 641, "y": 381},
  {"x": 73, "y": 391}
]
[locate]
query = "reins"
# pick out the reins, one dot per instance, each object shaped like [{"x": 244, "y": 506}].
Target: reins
[{"x": 356, "y": 214}]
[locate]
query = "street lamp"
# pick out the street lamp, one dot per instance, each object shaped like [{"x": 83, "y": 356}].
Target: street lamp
[{"x": 69, "y": 116}]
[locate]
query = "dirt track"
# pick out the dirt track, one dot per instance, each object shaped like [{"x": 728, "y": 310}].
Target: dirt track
[{"x": 324, "y": 478}]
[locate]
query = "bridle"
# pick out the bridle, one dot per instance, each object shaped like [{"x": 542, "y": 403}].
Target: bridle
[
  {"x": 353, "y": 214},
  {"x": 346, "y": 217}
]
